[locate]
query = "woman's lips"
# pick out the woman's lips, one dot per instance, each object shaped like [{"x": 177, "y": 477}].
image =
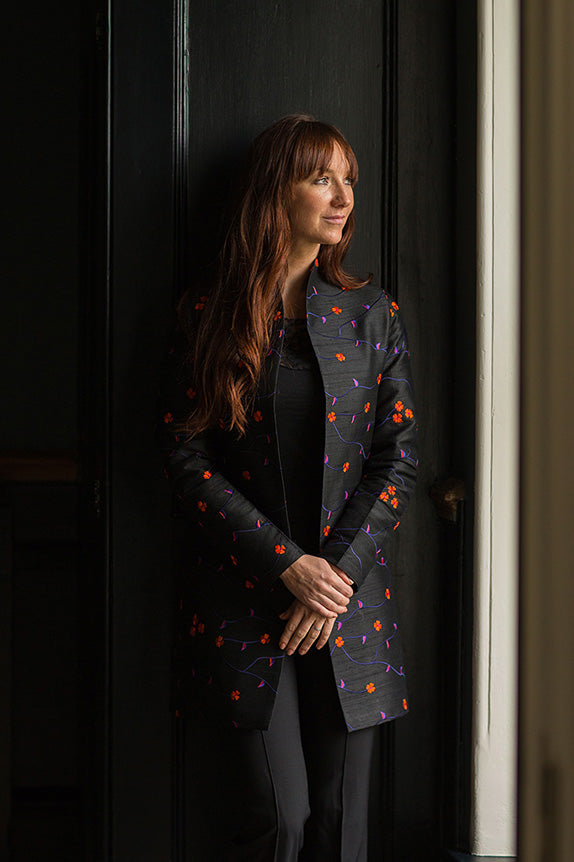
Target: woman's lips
[{"x": 336, "y": 219}]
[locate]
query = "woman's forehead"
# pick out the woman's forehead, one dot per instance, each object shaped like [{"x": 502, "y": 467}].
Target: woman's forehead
[
  {"x": 339, "y": 161},
  {"x": 334, "y": 159}
]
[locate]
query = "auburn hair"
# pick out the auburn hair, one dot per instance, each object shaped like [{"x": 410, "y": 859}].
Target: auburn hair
[{"x": 231, "y": 338}]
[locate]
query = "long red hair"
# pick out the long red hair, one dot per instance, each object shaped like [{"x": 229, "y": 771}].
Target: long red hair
[{"x": 232, "y": 337}]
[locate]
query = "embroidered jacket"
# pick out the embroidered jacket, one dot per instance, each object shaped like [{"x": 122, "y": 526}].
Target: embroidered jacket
[{"x": 231, "y": 493}]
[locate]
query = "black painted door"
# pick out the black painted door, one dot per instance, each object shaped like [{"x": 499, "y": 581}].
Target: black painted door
[{"x": 191, "y": 85}]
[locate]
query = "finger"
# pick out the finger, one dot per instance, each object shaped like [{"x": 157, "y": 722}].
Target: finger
[
  {"x": 298, "y": 636},
  {"x": 288, "y": 636},
  {"x": 290, "y": 628},
  {"x": 325, "y": 632},
  {"x": 341, "y": 574},
  {"x": 330, "y": 593},
  {"x": 325, "y": 607},
  {"x": 340, "y": 599},
  {"x": 337, "y": 587},
  {"x": 312, "y": 635},
  {"x": 342, "y": 586}
]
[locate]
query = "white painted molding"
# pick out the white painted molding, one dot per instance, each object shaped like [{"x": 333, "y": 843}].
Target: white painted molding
[{"x": 493, "y": 815}]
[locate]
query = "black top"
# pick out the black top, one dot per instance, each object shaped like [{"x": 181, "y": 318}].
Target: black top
[{"x": 300, "y": 414}]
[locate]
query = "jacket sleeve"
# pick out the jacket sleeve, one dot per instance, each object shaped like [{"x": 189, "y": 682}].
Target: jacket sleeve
[
  {"x": 388, "y": 481},
  {"x": 218, "y": 513}
]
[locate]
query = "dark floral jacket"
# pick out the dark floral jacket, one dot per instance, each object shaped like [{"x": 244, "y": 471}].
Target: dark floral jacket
[{"x": 231, "y": 494}]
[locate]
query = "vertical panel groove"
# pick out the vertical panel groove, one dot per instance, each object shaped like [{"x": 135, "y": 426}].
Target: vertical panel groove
[
  {"x": 389, "y": 154},
  {"x": 181, "y": 132}
]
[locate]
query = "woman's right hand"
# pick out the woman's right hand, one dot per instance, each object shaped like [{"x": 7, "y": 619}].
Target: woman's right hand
[{"x": 320, "y": 586}]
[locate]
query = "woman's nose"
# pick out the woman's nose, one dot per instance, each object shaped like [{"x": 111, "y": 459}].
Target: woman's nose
[{"x": 343, "y": 195}]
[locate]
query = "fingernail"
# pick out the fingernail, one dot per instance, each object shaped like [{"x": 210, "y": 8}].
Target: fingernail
[{"x": 290, "y": 652}]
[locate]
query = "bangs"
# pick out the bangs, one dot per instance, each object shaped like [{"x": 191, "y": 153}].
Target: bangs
[{"x": 313, "y": 150}]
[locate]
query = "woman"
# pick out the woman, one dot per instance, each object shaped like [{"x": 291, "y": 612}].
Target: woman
[{"x": 289, "y": 431}]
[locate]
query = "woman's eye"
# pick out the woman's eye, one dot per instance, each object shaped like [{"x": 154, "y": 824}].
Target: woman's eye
[
  {"x": 349, "y": 181},
  {"x": 322, "y": 180}
]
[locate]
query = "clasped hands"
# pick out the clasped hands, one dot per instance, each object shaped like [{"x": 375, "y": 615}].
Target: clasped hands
[{"x": 322, "y": 591}]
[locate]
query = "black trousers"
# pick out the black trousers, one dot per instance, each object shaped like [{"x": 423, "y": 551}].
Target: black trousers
[{"x": 297, "y": 791}]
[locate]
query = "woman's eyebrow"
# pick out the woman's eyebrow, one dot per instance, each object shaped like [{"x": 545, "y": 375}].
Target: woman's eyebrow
[{"x": 348, "y": 170}]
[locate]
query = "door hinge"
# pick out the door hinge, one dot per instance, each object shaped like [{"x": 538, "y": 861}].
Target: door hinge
[{"x": 446, "y": 496}]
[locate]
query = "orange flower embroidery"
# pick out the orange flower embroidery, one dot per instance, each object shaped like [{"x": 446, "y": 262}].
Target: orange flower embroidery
[
  {"x": 191, "y": 393},
  {"x": 345, "y": 466},
  {"x": 409, "y": 413},
  {"x": 326, "y": 530},
  {"x": 201, "y": 628},
  {"x": 201, "y": 505},
  {"x": 370, "y": 686},
  {"x": 397, "y": 417},
  {"x": 192, "y": 631},
  {"x": 265, "y": 639},
  {"x": 249, "y": 585},
  {"x": 235, "y": 695},
  {"x": 207, "y": 475},
  {"x": 331, "y": 417},
  {"x": 279, "y": 549},
  {"x": 395, "y": 306},
  {"x": 277, "y": 315},
  {"x": 388, "y": 593},
  {"x": 383, "y": 496},
  {"x": 246, "y": 474},
  {"x": 377, "y": 625},
  {"x": 219, "y": 641},
  {"x": 199, "y": 306},
  {"x": 367, "y": 406},
  {"x": 379, "y": 378},
  {"x": 336, "y": 309},
  {"x": 168, "y": 418},
  {"x": 340, "y": 357},
  {"x": 404, "y": 703},
  {"x": 258, "y": 415},
  {"x": 339, "y": 642},
  {"x": 399, "y": 405},
  {"x": 392, "y": 489},
  {"x": 233, "y": 559},
  {"x": 394, "y": 502}
]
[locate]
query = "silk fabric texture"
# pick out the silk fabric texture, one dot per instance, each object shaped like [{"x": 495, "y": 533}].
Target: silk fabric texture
[{"x": 234, "y": 528}]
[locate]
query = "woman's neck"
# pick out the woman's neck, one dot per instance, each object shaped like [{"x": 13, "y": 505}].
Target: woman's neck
[{"x": 294, "y": 288}]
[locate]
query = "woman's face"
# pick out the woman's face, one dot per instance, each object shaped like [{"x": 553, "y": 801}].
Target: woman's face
[{"x": 321, "y": 204}]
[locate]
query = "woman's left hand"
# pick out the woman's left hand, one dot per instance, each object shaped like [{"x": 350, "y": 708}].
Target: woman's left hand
[{"x": 304, "y": 628}]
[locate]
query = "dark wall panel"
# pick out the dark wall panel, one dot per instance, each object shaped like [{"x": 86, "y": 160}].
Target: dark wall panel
[
  {"x": 41, "y": 198},
  {"x": 253, "y": 62},
  {"x": 141, "y": 235},
  {"x": 425, "y": 560}
]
